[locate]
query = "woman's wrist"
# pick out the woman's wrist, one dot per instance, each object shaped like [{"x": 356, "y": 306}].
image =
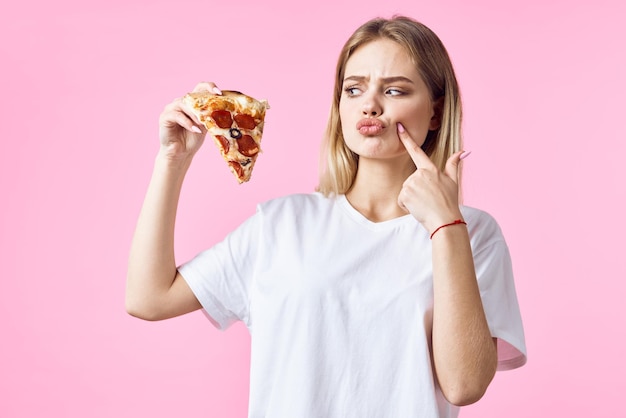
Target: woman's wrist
[
  {"x": 170, "y": 170},
  {"x": 165, "y": 160},
  {"x": 459, "y": 222}
]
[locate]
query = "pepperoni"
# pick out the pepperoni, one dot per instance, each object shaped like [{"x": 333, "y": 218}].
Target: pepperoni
[
  {"x": 247, "y": 146},
  {"x": 222, "y": 118},
  {"x": 224, "y": 143},
  {"x": 237, "y": 167},
  {"x": 245, "y": 121}
]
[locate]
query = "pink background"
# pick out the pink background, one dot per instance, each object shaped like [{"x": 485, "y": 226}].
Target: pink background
[{"x": 83, "y": 84}]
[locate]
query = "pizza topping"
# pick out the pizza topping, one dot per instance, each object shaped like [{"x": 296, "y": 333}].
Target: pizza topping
[
  {"x": 237, "y": 168},
  {"x": 247, "y": 146},
  {"x": 235, "y": 133},
  {"x": 225, "y": 144},
  {"x": 246, "y": 162},
  {"x": 222, "y": 118},
  {"x": 245, "y": 121}
]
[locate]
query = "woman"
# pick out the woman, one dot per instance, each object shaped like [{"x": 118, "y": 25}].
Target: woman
[{"x": 378, "y": 295}]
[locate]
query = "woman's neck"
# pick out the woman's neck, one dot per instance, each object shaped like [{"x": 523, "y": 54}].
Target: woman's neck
[{"x": 375, "y": 190}]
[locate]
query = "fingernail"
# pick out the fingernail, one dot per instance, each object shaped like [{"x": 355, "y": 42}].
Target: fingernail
[
  {"x": 400, "y": 128},
  {"x": 465, "y": 154},
  {"x": 195, "y": 129},
  {"x": 217, "y": 91}
]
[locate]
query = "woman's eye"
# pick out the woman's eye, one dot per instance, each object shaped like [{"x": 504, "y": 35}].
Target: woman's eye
[
  {"x": 394, "y": 92},
  {"x": 352, "y": 91}
]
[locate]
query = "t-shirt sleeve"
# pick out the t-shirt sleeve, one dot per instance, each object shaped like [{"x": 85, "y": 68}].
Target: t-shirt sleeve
[
  {"x": 494, "y": 272},
  {"x": 221, "y": 276}
]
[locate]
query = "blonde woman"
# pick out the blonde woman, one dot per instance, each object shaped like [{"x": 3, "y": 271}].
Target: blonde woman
[{"x": 379, "y": 295}]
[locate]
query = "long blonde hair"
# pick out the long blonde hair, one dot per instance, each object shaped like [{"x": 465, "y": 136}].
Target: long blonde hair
[{"x": 338, "y": 163}]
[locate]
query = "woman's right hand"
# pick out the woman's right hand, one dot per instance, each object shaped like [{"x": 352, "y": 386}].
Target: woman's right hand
[{"x": 180, "y": 131}]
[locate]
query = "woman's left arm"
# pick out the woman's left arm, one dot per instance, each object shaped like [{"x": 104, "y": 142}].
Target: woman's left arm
[{"x": 464, "y": 352}]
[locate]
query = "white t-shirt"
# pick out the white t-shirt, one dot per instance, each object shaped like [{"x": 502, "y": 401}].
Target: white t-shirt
[{"x": 339, "y": 308}]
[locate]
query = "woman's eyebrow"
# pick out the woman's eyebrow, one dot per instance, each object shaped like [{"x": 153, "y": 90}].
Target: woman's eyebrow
[
  {"x": 396, "y": 79},
  {"x": 357, "y": 78},
  {"x": 385, "y": 80}
]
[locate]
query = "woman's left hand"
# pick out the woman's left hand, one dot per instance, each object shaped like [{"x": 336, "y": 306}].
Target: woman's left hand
[{"x": 430, "y": 195}]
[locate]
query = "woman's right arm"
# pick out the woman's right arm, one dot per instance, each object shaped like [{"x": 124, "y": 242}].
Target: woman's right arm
[{"x": 154, "y": 288}]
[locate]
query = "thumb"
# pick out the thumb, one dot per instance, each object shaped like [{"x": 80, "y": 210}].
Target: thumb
[{"x": 452, "y": 165}]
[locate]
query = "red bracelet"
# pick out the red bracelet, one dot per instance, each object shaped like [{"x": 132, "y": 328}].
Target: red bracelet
[{"x": 456, "y": 222}]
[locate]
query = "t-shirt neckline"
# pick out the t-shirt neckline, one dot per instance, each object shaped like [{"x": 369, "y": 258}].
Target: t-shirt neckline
[{"x": 362, "y": 220}]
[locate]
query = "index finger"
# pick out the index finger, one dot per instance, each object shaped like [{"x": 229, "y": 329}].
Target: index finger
[
  {"x": 179, "y": 106},
  {"x": 418, "y": 155},
  {"x": 207, "y": 86}
]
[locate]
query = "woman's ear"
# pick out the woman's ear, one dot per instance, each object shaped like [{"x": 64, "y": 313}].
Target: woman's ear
[{"x": 435, "y": 121}]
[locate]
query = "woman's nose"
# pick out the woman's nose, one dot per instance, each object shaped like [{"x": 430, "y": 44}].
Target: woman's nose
[{"x": 371, "y": 107}]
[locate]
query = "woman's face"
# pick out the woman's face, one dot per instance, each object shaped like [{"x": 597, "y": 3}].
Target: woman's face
[{"x": 382, "y": 87}]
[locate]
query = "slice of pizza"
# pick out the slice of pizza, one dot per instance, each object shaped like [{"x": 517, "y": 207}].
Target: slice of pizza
[{"x": 236, "y": 122}]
